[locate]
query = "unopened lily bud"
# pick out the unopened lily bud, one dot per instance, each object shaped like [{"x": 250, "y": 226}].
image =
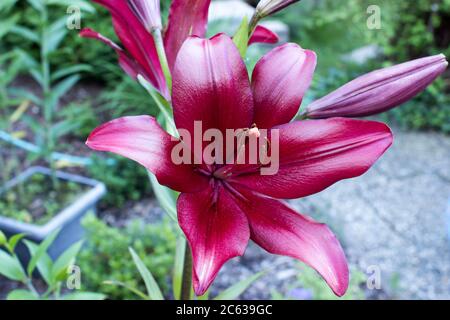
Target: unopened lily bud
[
  {"x": 379, "y": 90},
  {"x": 148, "y": 11},
  {"x": 268, "y": 7}
]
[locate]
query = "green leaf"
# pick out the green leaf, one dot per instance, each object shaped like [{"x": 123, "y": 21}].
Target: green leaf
[
  {"x": 44, "y": 265},
  {"x": 22, "y": 93},
  {"x": 59, "y": 269},
  {"x": 63, "y": 87},
  {"x": 41, "y": 250},
  {"x": 240, "y": 38},
  {"x": 153, "y": 290},
  {"x": 7, "y": 24},
  {"x": 177, "y": 279},
  {"x": 37, "y": 4},
  {"x": 128, "y": 287},
  {"x": 10, "y": 267},
  {"x": 14, "y": 240},
  {"x": 237, "y": 289},
  {"x": 83, "y": 5},
  {"x": 71, "y": 70},
  {"x": 21, "y": 294},
  {"x": 5, "y": 5},
  {"x": 36, "y": 74},
  {"x": 25, "y": 33},
  {"x": 54, "y": 34},
  {"x": 84, "y": 296},
  {"x": 2, "y": 238},
  {"x": 167, "y": 198}
]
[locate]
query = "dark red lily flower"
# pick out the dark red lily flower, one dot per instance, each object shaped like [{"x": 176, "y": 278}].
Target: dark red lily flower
[
  {"x": 133, "y": 21},
  {"x": 220, "y": 212}
]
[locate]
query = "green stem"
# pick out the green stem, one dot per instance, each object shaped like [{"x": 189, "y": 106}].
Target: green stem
[
  {"x": 159, "y": 43},
  {"x": 186, "y": 285},
  {"x": 253, "y": 23},
  {"x": 164, "y": 109},
  {"x": 31, "y": 287},
  {"x": 48, "y": 105}
]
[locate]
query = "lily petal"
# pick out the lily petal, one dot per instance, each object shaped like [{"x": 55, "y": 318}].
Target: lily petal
[
  {"x": 281, "y": 230},
  {"x": 263, "y": 35},
  {"x": 210, "y": 84},
  {"x": 315, "y": 154},
  {"x": 186, "y": 18},
  {"x": 137, "y": 41},
  {"x": 217, "y": 230},
  {"x": 380, "y": 90},
  {"x": 279, "y": 81},
  {"x": 142, "y": 139}
]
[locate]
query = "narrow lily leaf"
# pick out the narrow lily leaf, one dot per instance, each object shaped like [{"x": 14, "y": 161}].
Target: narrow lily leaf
[
  {"x": 55, "y": 34},
  {"x": 14, "y": 240},
  {"x": 37, "y": 4},
  {"x": 37, "y": 76},
  {"x": 26, "y": 95},
  {"x": 25, "y": 33},
  {"x": 177, "y": 278},
  {"x": 59, "y": 269},
  {"x": 64, "y": 86},
  {"x": 71, "y": 70},
  {"x": 21, "y": 294},
  {"x": 41, "y": 250},
  {"x": 153, "y": 289},
  {"x": 10, "y": 267},
  {"x": 7, "y": 4},
  {"x": 44, "y": 265},
  {"x": 7, "y": 24},
  {"x": 128, "y": 287},
  {"x": 167, "y": 198},
  {"x": 240, "y": 38},
  {"x": 237, "y": 289}
]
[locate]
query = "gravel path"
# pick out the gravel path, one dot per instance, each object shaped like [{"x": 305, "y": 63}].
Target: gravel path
[{"x": 394, "y": 218}]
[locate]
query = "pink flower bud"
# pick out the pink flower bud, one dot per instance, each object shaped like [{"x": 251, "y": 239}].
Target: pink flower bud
[
  {"x": 148, "y": 11},
  {"x": 380, "y": 90},
  {"x": 268, "y": 7}
]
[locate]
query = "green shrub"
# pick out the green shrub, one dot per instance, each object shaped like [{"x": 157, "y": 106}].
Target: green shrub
[
  {"x": 407, "y": 32},
  {"x": 124, "y": 179},
  {"x": 106, "y": 255}
]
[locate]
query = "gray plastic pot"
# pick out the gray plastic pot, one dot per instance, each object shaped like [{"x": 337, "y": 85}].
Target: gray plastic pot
[{"x": 68, "y": 220}]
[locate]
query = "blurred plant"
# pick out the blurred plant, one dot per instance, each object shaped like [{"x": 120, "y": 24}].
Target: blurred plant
[
  {"x": 35, "y": 201},
  {"x": 124, "y": 180},
  {"x": 332, "y": 29},
  {"x": 105, "y": 255},
  {"x": 309, "y": 286},
  {"x": 127, "y": 97},
  {"x": 81, "y": 116},
  {"x": 53, "y": 84},
  {"x": 54, "y": 273},
  {"x": 421, "y": 29},
  {"x": 11, "y": 63}
]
